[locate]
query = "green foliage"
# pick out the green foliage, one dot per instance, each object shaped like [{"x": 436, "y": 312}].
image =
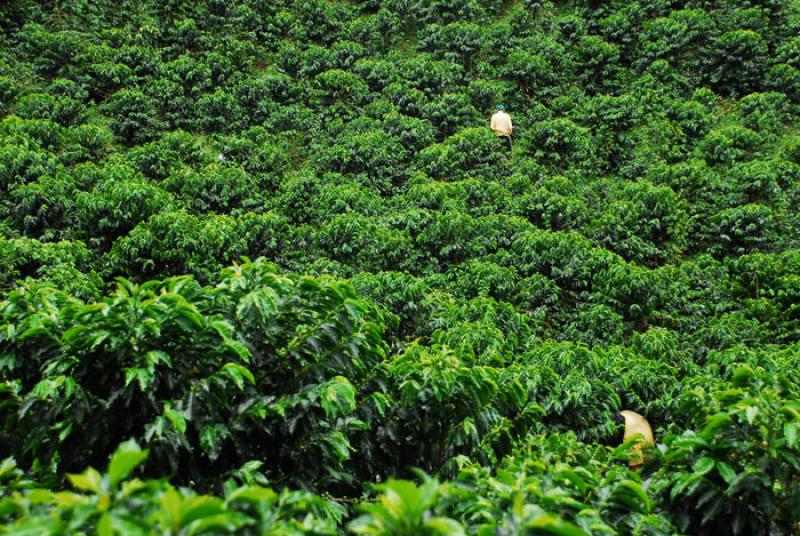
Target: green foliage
[
  {"x": 115, "y": 207},
  {"x": 745, "y": 229},
  {"x": 730, "y": 144},
  {"x": 367, "y": 244},
  {"x": 111, "y": 503},
  {"x": 374, "y": 157},
  {"x": 24, "y": 162},
  {"x": 743, "y": 52},
  {"x": 555, "y": 485},
  {"x": 558, "y": 142},
  {"x": 637, "y": 249},
  {"x": 450, "y": 407},
  {"x": 43, "y": 208},
  {"x": 215, "y": 189},
  {"x": 469, "y": 153},
  {"x": 178, "y": 243},
  {"x": 457, "y": 42},
  {"x": 62, "y": 110},
  {"x": 643, "y": 223},
  {"x": 404, "y": 510},
  {"x": 184, "y": 357},
  {"x": 135, "y": 117},
  {"x": 62, "y": 264},
  {"x": 737, "y": 470}
]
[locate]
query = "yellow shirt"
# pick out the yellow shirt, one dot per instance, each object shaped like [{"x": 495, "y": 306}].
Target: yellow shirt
[
  {"x": 501, "y": 124},
  {"x": 636, "y": 424}
]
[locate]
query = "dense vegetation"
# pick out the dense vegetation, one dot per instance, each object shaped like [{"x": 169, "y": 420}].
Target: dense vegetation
[{"x": 264, "y": 268}]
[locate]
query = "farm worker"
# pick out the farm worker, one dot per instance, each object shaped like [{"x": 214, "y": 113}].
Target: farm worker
[
  {"x": 636, "y": 424},
  {"x": 502, "y": 127}
]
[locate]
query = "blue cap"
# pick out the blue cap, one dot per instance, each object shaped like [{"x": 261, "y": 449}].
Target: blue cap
[{"x": 501, "y": 107}]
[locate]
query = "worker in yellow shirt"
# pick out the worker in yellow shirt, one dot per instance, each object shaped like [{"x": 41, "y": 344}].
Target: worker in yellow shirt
[
  {"x": 636, "y": 424},
  {"x": 502, "y": 127}
]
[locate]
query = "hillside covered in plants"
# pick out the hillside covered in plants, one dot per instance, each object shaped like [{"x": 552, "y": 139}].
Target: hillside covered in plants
[{"x": 265, "y": 269}]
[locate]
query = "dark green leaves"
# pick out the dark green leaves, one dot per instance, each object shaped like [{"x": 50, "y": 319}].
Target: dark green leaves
[{"x": 638, "y": 249}]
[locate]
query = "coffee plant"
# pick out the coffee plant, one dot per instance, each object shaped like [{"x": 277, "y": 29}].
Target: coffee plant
[{"x": 265, "y": 268}]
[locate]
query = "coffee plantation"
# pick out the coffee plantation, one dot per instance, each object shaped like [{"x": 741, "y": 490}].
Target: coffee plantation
[{"x": 266, "y": 269}]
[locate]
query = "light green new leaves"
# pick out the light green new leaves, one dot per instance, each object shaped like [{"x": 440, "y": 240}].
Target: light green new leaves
[
  {"x": 405, "y": 509},
  {"x": 338, "y": 397},
  {"x": 127, "y": 457}
]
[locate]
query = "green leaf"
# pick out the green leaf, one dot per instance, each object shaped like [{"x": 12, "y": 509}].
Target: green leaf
[
  {"x": 714, "y": 423},
  {"x": 210, "y": 436},
  {"x": 40, "y": 496},
  {"x": 726, "y": 472},
  {"x": 142, "y": 376},
  {"x": 104, "y": 526},
  {"x": 751, "y": 412},
  {"x": 741, "y": 481},
  {"x": 238, "y": 374},
  {"x": 127, "y": 457},
  {"x": 253, "y": 494},
  {"x": 227, "y": 522},
  {"x": 171, "y": 507},
  {"x": 63, "y": 434},
  {"x": 689, "y": 441},
  {"x": 67, "y": 499},
  {"x": 89, "y": 480},
  {"x": 684, "y": 483},
  {"x": 176, "y": 418},
  {"x": 339, "y": 443},
  {"x": 703, "y": 465},
  {"x": 8, "y": 467},
  {"x": 444, "y": 525},
  {"x": 742, "y": 376},
  {"x": 791, "y": 430},
  {"x": 239, "y": 349},
  {"x": 338, "y": 397},
  {"x": 203, "y": 506},
  {"x": 192, "y": 319},
  {"x": 550, "y": 524},
  {"x": 381, "y": 402},
  {"x": 632, "y": 495},
  {"x": 157, "y": 357}
]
